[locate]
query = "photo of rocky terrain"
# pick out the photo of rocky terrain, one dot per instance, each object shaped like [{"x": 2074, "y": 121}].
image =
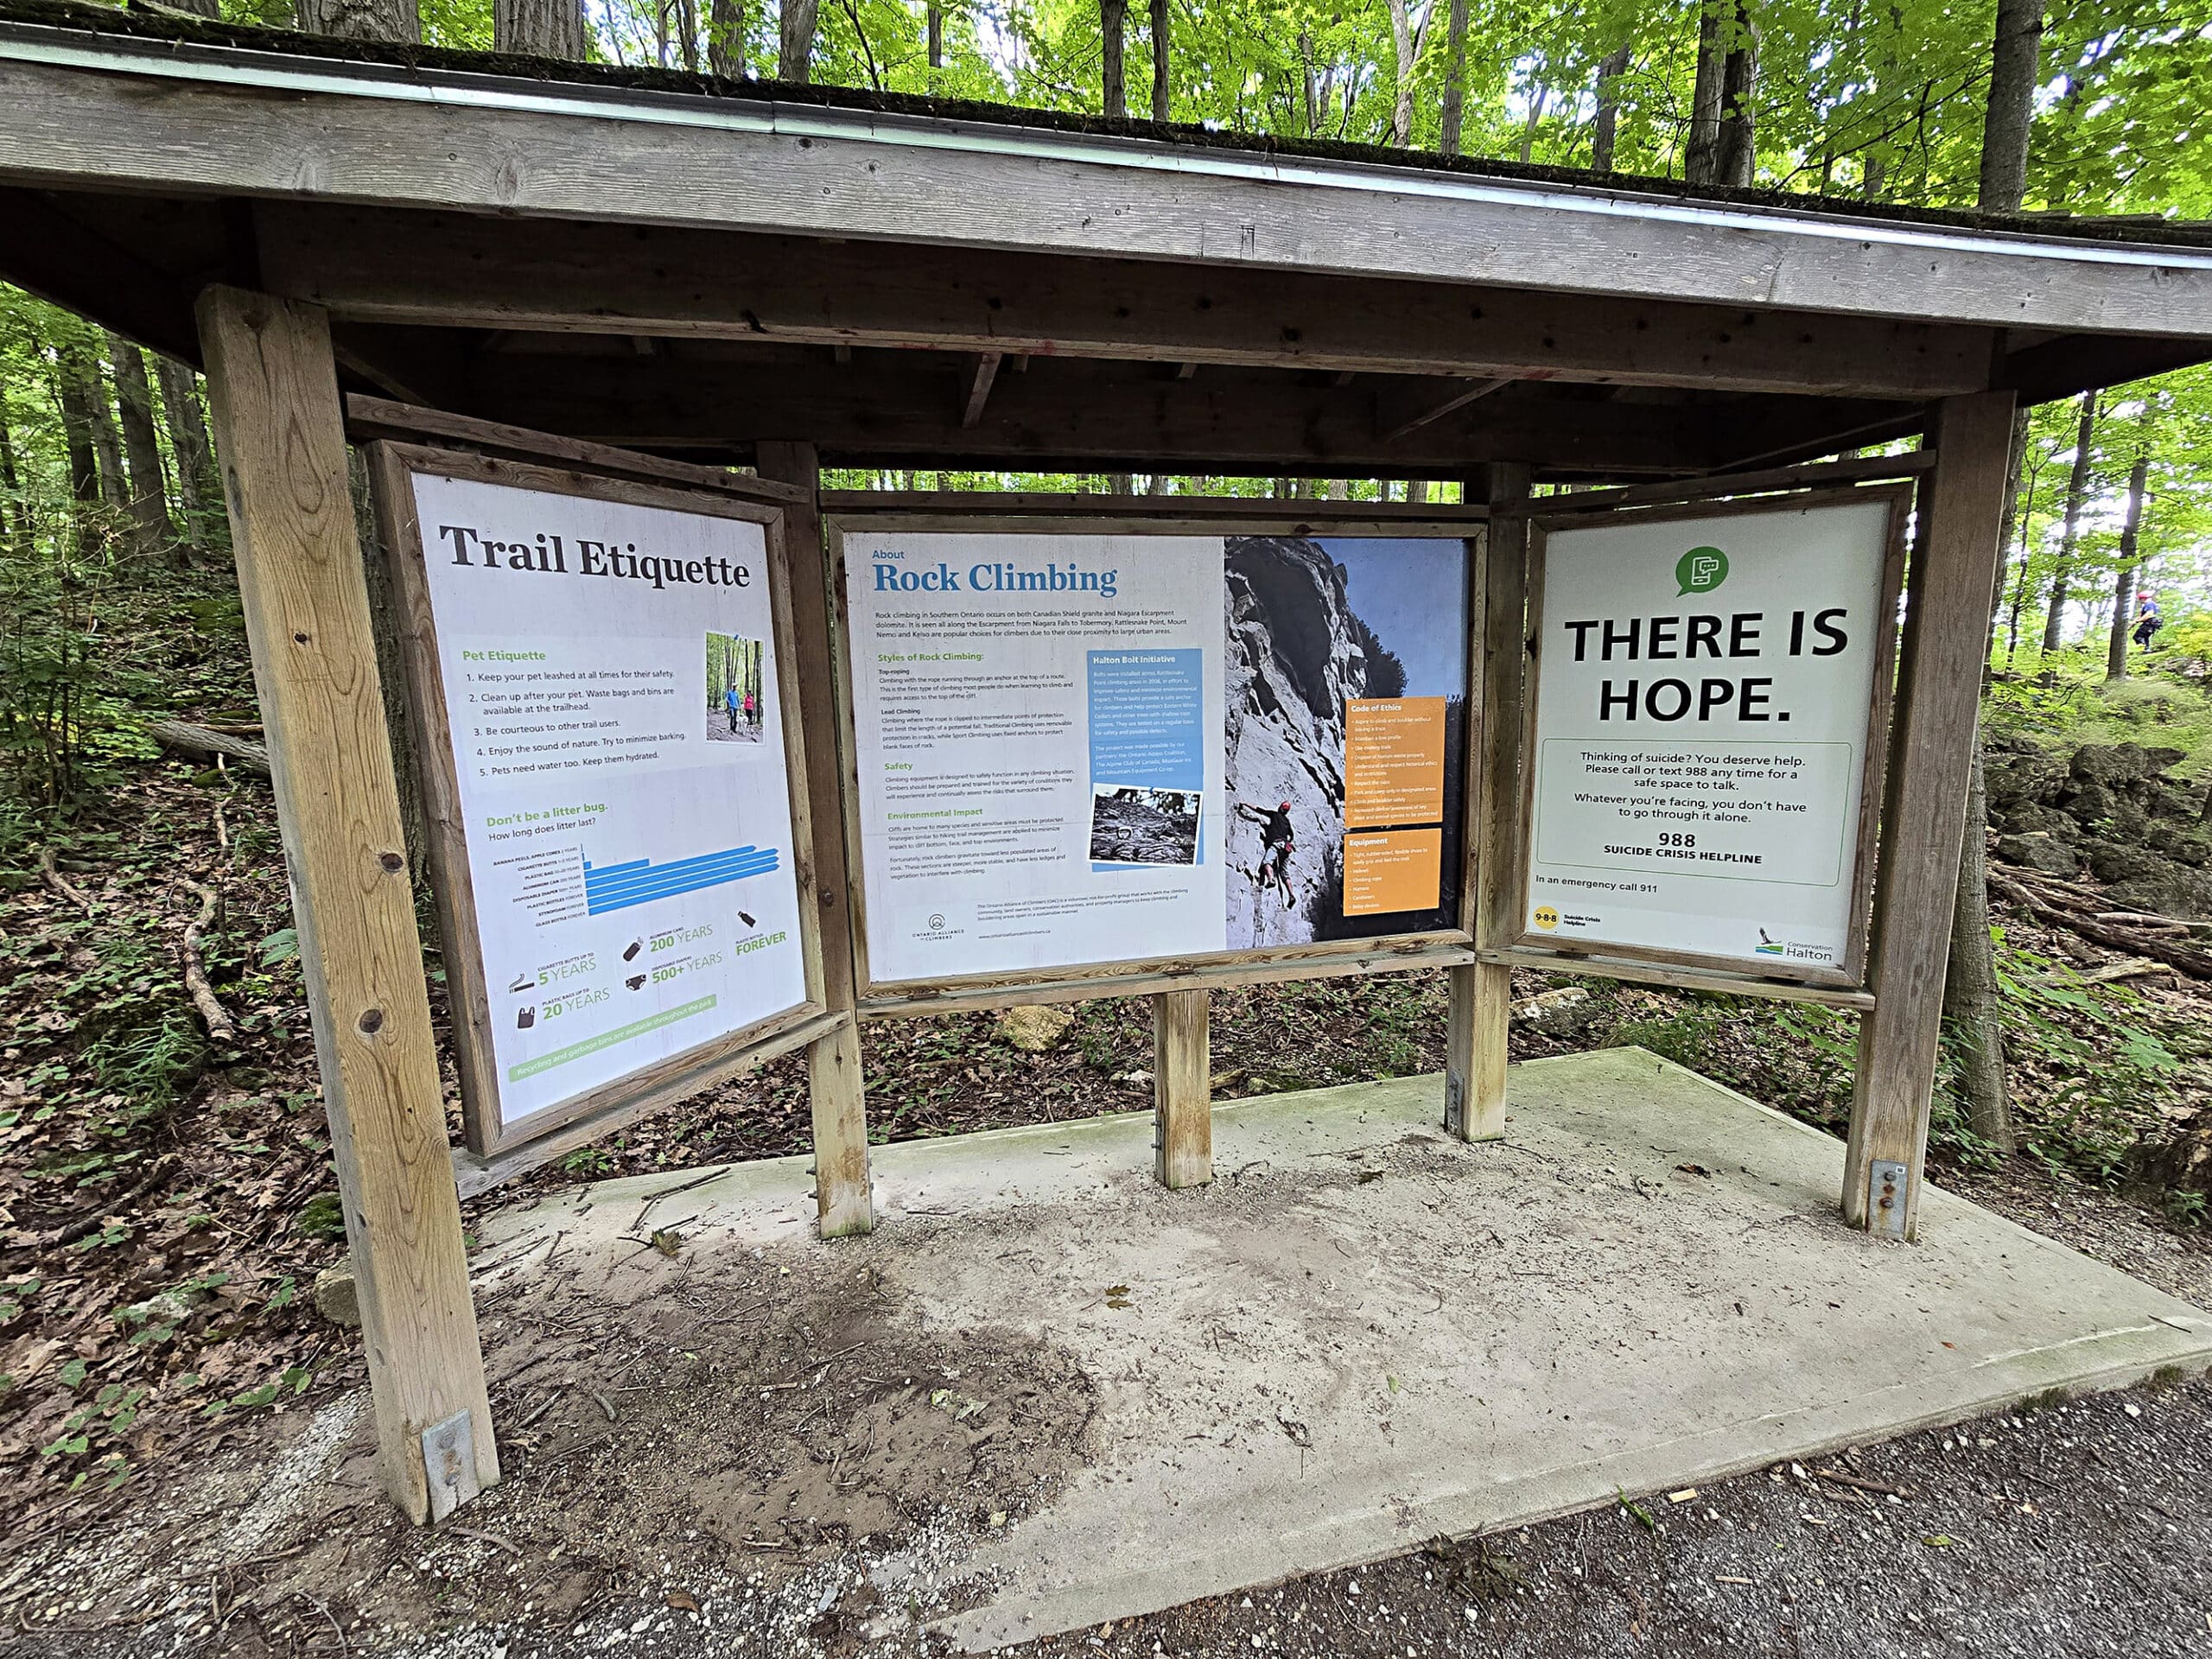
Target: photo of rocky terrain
[
  {"x": 1298, "y": 650},
  {"x": 1136, "y": 825}
]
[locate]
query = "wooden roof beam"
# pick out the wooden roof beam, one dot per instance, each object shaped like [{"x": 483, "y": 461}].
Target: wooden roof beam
[
  {"x": 906, "y": 409},
  {"x": 444, "y": 270}
]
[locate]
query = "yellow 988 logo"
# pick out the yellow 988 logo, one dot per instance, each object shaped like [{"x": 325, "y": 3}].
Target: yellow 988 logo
[{"x": 1546, "y": 917}]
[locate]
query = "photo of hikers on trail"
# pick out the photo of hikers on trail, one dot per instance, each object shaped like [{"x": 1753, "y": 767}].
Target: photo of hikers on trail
[
  {"x": 736, "y": 695},
  {"x": 1135, "y": 824},
  {"x": 1315, "y": 625}
]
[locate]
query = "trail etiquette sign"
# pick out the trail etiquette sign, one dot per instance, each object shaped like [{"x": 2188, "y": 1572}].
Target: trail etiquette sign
[
  {"x": 610, "y": 747},
  {"x": 1702, "y": 731}
]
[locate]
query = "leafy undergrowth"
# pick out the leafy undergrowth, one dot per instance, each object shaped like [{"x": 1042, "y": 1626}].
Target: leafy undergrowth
[
  {"x": 2061, "y": 701},
  {"x": 166, "y": 1204}
]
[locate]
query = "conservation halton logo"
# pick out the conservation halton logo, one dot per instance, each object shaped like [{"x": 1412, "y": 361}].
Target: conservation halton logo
[{"x": 1700, "y": 570}]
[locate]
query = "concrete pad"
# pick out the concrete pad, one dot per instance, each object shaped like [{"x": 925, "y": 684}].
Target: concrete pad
[{"x": 1365, "y": 1334}]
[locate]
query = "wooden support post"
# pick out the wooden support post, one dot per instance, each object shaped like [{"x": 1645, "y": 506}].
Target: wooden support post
[
  {"x": 274, "y": 387},
  {"x": 1948, "y": 596},
  {"x": 1182, "y": 1089},
  {"x": 842, "y": 1201},
  {"x": 1482, "y": 996}
]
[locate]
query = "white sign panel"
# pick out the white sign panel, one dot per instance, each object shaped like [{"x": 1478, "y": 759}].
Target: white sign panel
[
  {"x": 1703, "y": 690},
  {"x": 1009, "y": 693},
  {"x": 613, "y": 699},
  {"x": 1080, "y": 749}
]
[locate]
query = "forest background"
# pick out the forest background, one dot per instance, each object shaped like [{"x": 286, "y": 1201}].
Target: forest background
[{"x": 165, "y": 1194}]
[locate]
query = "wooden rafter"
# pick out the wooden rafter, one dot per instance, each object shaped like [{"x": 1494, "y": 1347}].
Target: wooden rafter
[
  {"x": 1436, "y": 408},
  {"x": 980, "y": 378}
]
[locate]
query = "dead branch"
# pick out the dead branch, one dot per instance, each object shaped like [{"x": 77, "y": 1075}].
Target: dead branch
[
  {"x": 50, "y": 874},
  {"x": 208, "y": 743},
  {"x": 2142, "y": 918},
  {"x": 2196, "y": 963},
  {"x": 212, "y": 1013}
]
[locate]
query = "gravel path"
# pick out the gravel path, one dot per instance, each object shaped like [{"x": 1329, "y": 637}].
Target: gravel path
[{"x": 2080, "y": 1529}]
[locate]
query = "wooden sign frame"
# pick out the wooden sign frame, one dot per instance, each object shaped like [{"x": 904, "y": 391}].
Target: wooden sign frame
[
  {"x": 1848, "y": 976},
  {"x": 391, "y": 466},
  {"x": 850, "y": 513}
]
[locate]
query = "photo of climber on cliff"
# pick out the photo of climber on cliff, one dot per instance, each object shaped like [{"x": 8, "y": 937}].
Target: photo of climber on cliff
[
  {"x": 1278, "y": 841},
  {"x": 1315, "y": 625},
  {"x": 1135, "y": 824},
  {"x": 736, "y": 700}
]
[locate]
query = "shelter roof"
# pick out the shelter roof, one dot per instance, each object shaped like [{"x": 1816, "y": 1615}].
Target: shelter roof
[
  {"x": 147, "y": 23},
  {"x": 691, "y": 264}
]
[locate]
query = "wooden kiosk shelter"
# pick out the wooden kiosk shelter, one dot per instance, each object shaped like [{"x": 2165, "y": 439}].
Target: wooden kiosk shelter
[{"x": 641, "y": 280}]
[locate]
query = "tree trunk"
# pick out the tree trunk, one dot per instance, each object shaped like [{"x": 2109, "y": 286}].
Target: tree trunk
[
  {"x": 72, "y": 394},
  {"x": 936, "y": 24},
  {"x": 1535, "y": 116},
  {"x": 726, "y": 38},
  {"x": 2027, "y": 513},
  {"x": 1163, "y": 39},
  {"x": 1701, "y": 150},
  {"x": 1609, "y": 105},
  {"x": 115, "y": 490},
  {"x": 142, "y": 444},
  {"x": 1113, "y": 19},
  {"x": 2015, "y": 59},
  {"x": 539, "y": 28},
  {"x": 1407, "y": 44},
  {"x": 1455, "y": 79},
  {"x": 2123, "y": 586},
  {"x": 1971, "y": 994},
  {"x": 2077, "y": 495},
  {"x": 795, "y": 55},
  {"x": 361, "y": 20},
  {"x": 14, "y": 532},
  {"x": 687, "y": 35},
  {"x": 1972, "y": 997},
  {"x": 197, "y": 488},
  {"x": 1738, "y": 160}
]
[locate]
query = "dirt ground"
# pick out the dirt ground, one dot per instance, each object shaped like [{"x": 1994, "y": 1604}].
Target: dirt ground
[
  {"x": 750, "y": 1447},
  {"x": 2081, "y": 1527}
]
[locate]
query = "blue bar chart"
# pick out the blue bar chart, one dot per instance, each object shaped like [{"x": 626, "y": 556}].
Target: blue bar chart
[{"x": 618, "y": 887}]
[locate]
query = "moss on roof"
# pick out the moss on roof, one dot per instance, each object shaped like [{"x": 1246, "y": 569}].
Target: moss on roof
[{"x": 155, "y": 23}]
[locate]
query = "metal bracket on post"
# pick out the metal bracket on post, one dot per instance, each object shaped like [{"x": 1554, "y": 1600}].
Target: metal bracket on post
[
  {"x": 1455, "y": 1105},
  {"x": 1885, "y": 1190},
  {"x": 449, "y": 1464}
]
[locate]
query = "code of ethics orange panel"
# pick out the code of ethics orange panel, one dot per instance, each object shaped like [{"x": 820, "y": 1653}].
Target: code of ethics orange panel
[
  {"x": 1391, "y": 871},
  {"x": 1394, "y": 761}
]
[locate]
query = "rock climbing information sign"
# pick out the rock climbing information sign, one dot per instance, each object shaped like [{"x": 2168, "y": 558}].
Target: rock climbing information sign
[
  {"x": 608, "y": 685},
  {"x": 1077, "y": 748},
  {"x": 1704, "y": 724}
]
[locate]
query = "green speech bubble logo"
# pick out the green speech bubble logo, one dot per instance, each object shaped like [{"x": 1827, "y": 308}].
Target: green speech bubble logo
[{"x": 1700, "y": 570}]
